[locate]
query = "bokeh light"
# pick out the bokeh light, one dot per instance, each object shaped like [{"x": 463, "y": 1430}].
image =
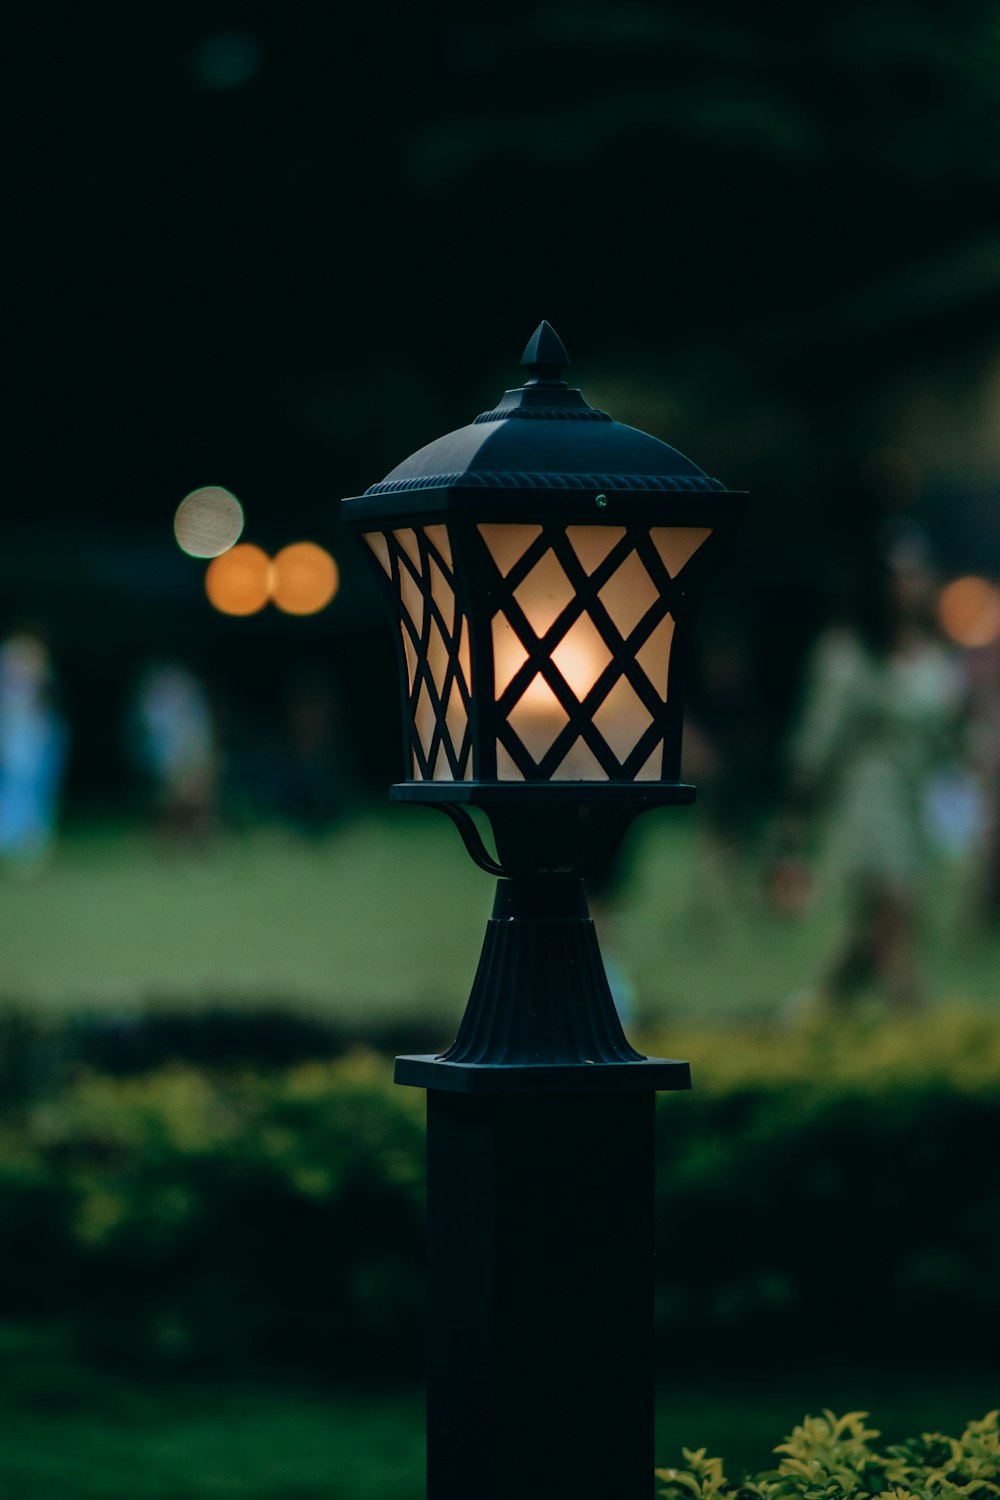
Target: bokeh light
[
  {"x": 208, "y": 522},
  {"x": 969, "y": 611},
  {"x": 239, "y": 582},
  {"x": 304, "y": 578}
]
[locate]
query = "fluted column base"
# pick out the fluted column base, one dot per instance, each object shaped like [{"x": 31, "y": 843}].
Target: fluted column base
[{"x": 541, "y": 1016}]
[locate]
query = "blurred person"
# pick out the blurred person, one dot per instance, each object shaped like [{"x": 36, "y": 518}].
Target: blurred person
[
  {"x": 881, "y": 709},
  {"x": 173, "y": 741},
  {"x": 33, "y": 748}
]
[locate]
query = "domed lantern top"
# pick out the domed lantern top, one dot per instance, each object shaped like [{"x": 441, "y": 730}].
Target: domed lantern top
[{"x": 544, "y": 564}]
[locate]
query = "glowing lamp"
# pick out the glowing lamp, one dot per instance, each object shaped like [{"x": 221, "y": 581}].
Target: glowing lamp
[{"x": 544, "y": 565}]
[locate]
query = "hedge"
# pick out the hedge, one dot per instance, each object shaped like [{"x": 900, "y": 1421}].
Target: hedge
[
  {"x": 833, "y": 1458},
  {"x": 836, "y": 1184}
]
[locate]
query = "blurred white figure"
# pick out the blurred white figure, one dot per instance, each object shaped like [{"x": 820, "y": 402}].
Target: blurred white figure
[
  {"x": 882, "y": 714},
  {"x": 173, "y": 733},
  {"x": 33, "y": 745}
]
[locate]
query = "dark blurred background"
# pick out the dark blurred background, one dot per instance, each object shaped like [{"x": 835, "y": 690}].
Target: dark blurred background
[{"x": 277, "y": 251}]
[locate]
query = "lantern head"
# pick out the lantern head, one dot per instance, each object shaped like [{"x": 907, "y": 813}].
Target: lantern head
[{"x": 543, "y": 564}]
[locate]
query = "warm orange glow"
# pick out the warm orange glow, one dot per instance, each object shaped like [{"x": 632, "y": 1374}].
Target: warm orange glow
[
  {"x": 304, "y": 578},
  {"x": 239, "y": 582},
  {"x": 969, "y": 611},
  {"x": 208, "y": 522}
]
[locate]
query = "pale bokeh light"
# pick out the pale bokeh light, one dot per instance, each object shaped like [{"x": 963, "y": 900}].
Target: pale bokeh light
[
  {"x": 239, "y": 582},
  {"x": 969, "y": 611},
  {"x": 304, "y": 578},
  {"x": 208, "y": 522}
]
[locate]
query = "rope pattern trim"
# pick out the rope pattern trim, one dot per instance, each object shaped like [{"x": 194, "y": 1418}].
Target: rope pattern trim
[{"x": 500, "y": 480}]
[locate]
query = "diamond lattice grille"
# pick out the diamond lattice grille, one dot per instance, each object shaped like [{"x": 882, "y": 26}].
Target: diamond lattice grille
[
  {"x": 582, "y": 635},
  {"x": 435, "y": 634}
]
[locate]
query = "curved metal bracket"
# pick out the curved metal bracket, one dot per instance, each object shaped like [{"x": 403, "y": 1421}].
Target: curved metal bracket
[{"x": 470, "y": 836}]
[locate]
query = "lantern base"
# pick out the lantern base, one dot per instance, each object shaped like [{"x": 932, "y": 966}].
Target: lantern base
[
  {"x": 655, "y": 1074},
  {"x": 541, "y": 1017}
]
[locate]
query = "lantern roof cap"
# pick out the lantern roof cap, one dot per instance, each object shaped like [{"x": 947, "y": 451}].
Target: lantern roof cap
[
  {"x": 545, "y": 355},
  {"x": 545, "y": 435}
]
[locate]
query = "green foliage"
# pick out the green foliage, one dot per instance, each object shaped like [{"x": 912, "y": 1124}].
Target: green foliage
[
  {"x": 824, "y": 1182},
  {"x": 833, "y": 1458},
  {"x": 186, "y": 1214},
  {"x": 827, "y": 1186}
]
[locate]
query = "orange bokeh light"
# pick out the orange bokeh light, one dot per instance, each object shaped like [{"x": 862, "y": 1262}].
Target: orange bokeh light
[
  {"x": 239, "y": 582},
  {"x": 969, "y": 611},
  {"x": 304, "y": 578}
]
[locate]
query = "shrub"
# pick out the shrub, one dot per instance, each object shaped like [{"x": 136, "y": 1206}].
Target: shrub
[
  {"x": 833, "y": 1187},
  {"x": 834, "y": 1184},
  {"x": 190, "y": 1215},
  {"x": 833, "y": 1458}
]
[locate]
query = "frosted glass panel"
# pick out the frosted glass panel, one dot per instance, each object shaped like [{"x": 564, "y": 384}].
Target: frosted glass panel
[
  {"x": 425, "y": 719},
  {"x": 506, "y": 769},
  {"x": 581, "y": 656},
  {"x": 456, "y": 718},
  {"x": 545, "y": 593},
  {"x": 508, "y": 654},
  {"x": 593, "y": 543},
  {"x": 654, "y": 656},
  {"x": 678, "y": 544},
  {"x": 622, "y": 718},
  {"x": 537, "y": 717},
  {"x": 628, "y": 594},
  {"x": 508, "y": 544},
  {"x": 437, "y": 658},
  {"x": 437, "y": 663},
  {"x": 579, "y": 764},
  {"x": 653, "y": 768},
  {"x": 380, "y": 547},
  {"x": 407, "y": 539},
  {"x": 439, "y": 536}
]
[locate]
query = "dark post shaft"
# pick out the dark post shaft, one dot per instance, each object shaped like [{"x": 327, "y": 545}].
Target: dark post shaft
[{"x": 540, "y": 1360}]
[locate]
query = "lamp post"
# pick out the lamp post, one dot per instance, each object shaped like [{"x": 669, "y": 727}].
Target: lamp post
[{"x": 543, "y": 565}]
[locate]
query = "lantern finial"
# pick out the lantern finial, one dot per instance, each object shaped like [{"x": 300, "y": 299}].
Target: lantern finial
[{"x": 544, "y": 356}]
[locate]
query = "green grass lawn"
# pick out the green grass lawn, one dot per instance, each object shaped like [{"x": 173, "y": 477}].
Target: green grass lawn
[
  {"x": 383, "y": 920},
  {"x": 69, "y": 1432}
]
